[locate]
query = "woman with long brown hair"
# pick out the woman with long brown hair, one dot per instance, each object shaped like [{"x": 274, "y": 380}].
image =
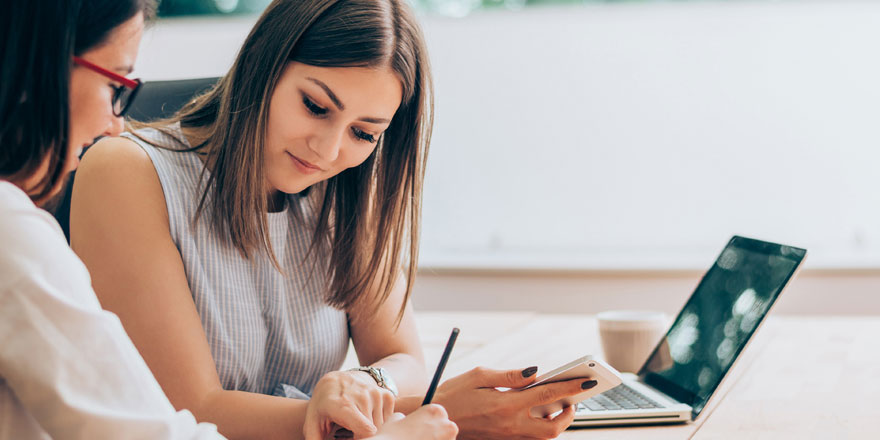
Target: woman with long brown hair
[
  {"x": 67, "y": 368},
  {"x": 245, "y": 241}
]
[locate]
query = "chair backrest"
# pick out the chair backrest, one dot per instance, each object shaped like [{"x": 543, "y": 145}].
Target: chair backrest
[
  {"x": 155, "y": 100},
  {"x": 161, "y": 99}
]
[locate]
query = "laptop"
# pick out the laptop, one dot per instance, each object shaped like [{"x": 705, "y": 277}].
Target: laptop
[{"x": 708, "y": 335}]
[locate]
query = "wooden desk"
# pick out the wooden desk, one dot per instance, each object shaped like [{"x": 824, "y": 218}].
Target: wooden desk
[{"x": 803, "y": 377}]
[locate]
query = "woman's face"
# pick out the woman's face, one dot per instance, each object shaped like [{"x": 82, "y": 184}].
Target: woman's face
[
  {"x": 91, "y": 95},
  {"x": 323, "y": 120}
]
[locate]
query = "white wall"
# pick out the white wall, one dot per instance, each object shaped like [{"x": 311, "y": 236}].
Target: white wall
[
  {"x": 640, "y": 132},
  {"x": 633, "y": 136}
]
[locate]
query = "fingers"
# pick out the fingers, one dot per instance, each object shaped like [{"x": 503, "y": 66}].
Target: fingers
[
  {"x": 432, "y": 411},
  {"x": 547, "y": 427},
  {"x": 482, "y": 377},
  {"x": 352, "y": 419},
  {"x": 350, "y": 400},
  {"x": 566, "y": 416},
  {"x": 316, "y": 427},
  {"x": 377, "y": 411},
  {"x": 438, "y": 419},
  {"x": 429, "y": 422},
  {"x": 551, "y": 392},
  {"x": 378, "y": 404},
  {"x": 387, "y": 406},
  {"x": 311, "y": 430},
  {"x": 373, "y": 401}
]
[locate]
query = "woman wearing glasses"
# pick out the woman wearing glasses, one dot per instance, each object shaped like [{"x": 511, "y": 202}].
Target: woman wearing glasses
[
  {"x": 67, "y": 368},
  {"x": 245, "y": 241}
]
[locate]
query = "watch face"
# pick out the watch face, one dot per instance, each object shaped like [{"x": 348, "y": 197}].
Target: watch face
[
  {"x": 381, "y": 376},
  {"x": 386, "y": 381}
]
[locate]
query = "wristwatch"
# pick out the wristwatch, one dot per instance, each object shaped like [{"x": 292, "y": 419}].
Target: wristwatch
[{"x": 381, "y": 376}]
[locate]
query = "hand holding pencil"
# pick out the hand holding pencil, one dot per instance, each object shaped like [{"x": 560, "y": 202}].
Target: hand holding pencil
[{"x": 430, "y": 422}]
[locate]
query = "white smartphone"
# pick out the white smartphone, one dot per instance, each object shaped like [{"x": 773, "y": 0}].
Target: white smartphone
[{"x": 586, "y": 368}]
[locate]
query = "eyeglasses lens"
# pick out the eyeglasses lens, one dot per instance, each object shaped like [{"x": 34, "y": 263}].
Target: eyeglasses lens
[{"x": 120, "y": 99}]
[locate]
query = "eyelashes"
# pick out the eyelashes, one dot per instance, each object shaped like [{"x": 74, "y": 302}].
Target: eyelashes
[
  {"x": 313, "y": 108},
  {"x": 319, "y": 112},
  {"x": 360, "y": 134}
]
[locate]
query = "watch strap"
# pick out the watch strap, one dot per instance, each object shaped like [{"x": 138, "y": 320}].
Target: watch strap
[{"x": 380, "y": 375}]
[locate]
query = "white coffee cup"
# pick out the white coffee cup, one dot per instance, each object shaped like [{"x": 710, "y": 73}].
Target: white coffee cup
[{"x": 629, "y": 336}]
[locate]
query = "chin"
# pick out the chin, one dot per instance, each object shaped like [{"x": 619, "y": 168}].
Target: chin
[
  {"x": 286, "y": 182},
  {"x": 292, "y": 188}
]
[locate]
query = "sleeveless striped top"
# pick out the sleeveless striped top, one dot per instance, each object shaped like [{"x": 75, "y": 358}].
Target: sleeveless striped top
[{"x": 269, "y": 333}]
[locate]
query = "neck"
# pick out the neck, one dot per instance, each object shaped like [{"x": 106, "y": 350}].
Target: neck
[{"x": 277, "y": 201}]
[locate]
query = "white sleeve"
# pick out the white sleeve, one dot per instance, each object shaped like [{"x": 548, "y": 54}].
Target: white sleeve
[
  {"x": 70, "y": 364},
  {"x": 78, "y": 374}
]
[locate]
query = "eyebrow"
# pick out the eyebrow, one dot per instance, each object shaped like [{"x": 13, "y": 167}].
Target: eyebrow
[
  {"x": 374, "y": 120},
  {"x": 340, "y": 105},
  {"x": 329, "y": 93},
  {"x": 124, "y": 70}
]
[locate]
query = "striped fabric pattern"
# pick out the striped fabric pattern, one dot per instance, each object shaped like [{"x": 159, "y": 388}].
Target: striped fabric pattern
[{"x": 269, "y": 333}]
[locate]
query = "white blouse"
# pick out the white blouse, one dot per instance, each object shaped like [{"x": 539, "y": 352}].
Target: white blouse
[{"x": 67, "y": 368}]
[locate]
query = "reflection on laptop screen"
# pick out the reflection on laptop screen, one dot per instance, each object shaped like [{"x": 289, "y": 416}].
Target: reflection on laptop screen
[{"x": 716, "y": 323}]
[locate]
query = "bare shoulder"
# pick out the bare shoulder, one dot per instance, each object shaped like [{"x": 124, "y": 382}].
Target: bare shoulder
[
  {"x": 117, "y": 178},
  {"x": 116, "y": 158}
]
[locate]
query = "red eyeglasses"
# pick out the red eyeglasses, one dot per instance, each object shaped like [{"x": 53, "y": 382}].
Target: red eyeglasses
[{"x": 124, "y": 94}]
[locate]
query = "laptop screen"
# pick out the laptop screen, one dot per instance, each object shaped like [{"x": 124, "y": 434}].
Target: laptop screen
[{"x": 718, "y": 320}]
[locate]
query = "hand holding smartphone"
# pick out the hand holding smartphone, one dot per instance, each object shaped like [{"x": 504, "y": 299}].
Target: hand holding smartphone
[{"x": 583, "y": 368}]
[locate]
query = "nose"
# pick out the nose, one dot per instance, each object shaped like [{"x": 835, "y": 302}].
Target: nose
[
  {"x": 327, "y": 145},
  {"x": 117, "y": 124}
]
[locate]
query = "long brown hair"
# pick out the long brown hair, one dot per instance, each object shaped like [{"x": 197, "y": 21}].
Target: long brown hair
[{"x": 368, "y": 222}]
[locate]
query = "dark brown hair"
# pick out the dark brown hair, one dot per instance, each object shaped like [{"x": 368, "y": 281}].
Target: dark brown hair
[
  {"x": 35, "y": 60},
  {"x": 38, "y": 39},
  {"x": 369, "y": 217},
  {"x": 97, "y": 19}
]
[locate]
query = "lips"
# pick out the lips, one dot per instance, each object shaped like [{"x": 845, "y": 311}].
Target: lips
[
  {"x": 308, "y": 164},
  {"x": 304, "y": 166}
]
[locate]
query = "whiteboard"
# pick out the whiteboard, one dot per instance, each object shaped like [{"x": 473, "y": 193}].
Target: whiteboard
[{"x": 644, "y": 135}]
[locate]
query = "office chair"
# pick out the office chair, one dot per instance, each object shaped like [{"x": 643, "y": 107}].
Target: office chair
[{"x": 155, "y": 100}]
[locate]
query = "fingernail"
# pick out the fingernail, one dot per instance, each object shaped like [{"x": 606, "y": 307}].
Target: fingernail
[
  {"x": 588, "y": 384},
  {"x": 529, "y": 372}
]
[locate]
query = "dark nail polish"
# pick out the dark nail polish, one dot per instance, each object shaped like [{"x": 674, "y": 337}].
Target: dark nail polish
[
  {"x": 529, "y": 372},
  {"x": 588, "y": 384}
]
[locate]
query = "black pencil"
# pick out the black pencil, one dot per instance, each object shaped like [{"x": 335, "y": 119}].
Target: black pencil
[{"x": 436, "y": 380}]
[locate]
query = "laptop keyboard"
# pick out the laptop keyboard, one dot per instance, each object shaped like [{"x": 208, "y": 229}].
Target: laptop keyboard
[{"x": 617, "y": 398}]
